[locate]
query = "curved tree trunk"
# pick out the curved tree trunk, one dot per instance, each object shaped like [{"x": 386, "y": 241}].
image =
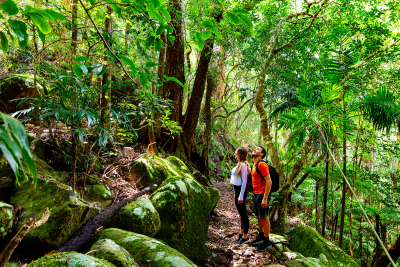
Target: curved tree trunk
[{"x": 207, "y": 134}]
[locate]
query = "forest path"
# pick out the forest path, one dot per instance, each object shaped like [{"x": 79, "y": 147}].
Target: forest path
[{"x": 223, "y": 232}]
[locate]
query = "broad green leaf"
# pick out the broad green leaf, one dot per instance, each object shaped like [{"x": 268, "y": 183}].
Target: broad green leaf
[
  {"x": 171, "y": 39},
  {"x": 207, "y": 24},
  {"x": 174, "y": 80},
  {"x": 127, "y": 61},
  {"x": 77, "y": 70},
  {"x": 149, "y": 41},
  {"x": 232, "y": 17},
  {"x": 41, "y": 35},
  {"x": 9, "y": 7},
  {"x": 157, "y": 45},
  {"x": 169, "y": 28},
  {"x": 246, "y": 20},
  {"x": 55, "y": 15},
  {"x": 206, "y": 35},
  {"x": 160, "y": 30},
  {"x": 166, "y": 15},
  {"x": 155, "y": 15},
  {"x": 84, "y": 69},
  {"x": 92, "y": 2},
  {"x": 40, "y": 22},
  {"x": 155, "y": 4},
  {"x": 3, "y": 42},
  {"x": 97, "y": 69},
  {"x": 216, "y": 32},
  {"x": 45, "y": 15},
  {"x": 81, "y": 59},
  {"x": 116, "y": 8},
  {"x": 199, "y": 40},
  {"x": 151, "y": 64}
]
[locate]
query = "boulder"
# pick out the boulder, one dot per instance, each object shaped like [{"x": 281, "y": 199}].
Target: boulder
[
  {"x": 19, "y": 86},
  {"x": 151, "y": 169},
  {"x": 6, "y": 219},
  {"x": 43, "y": 169},
  {"x": 145, "y": 250},
  {"x": 309, "y": 243},
  {"x": 68, "y": 213},
  {"x": 107, "y": 249},
  {"x": 99, "y": 194},
  {"x": 91, "y": 179},
  {"x": 139, "y": 217},
  {"x": 184, "y": 207},
  {"x": 69, "y": 259},
  {"x": 278, "y": 239}
]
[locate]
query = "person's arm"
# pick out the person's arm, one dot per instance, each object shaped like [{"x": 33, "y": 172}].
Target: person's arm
[
  {"x": 244, "y": 182},
  {"x": 268, "y": 185}
]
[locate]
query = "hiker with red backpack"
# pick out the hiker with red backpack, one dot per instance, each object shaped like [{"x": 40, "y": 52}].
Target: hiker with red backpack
[
  {"x": 265, "y": 180},
  {"x": 239, "y": 180}
]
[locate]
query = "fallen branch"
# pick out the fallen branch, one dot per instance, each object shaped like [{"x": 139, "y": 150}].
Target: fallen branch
[
  {"x": 26, "y": 228},
  {"x": 88, "y": 230}
]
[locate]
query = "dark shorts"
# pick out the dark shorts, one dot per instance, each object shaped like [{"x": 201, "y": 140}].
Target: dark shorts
[{"x": 258, "y": 210}]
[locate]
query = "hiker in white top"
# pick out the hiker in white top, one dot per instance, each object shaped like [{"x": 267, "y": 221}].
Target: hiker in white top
[{"x": 239, "y": 180}]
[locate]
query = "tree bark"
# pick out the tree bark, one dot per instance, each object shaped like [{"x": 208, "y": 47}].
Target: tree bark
[
  {"x": 105, "y": 99},
  {"x": 74, "y": 26},
  {"x": 207, "y": 133},
  {"x": 325, "y": 194},
  {"x": 175, "y": 62},
  {"x": 394, "y": 252},
  {"x": 221, "y": 69},
  {"x": 343, "y": 211}
]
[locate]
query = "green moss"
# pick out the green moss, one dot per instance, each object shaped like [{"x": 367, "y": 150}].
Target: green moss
[
  {"x": 184, "y": 207},
  {"x": 91, "y": 179},
  {"x": 109, "y": 250},
  {"x": 68, "y": 213},
  {"x": 152, "y": 169},
  {"x": 306, "y": 262},
  {"x": 98, "y": 193},
  {"x": 145, "y": 250},
  {"x": 308, "y": 242},
  {"x": 69, "y": 259},
  {"x": 6, "y": 219},
  {"x": 139, "y": 216}
]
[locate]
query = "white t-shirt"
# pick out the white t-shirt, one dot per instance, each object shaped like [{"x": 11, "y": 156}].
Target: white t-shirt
[{"x": 240, "y": 180}]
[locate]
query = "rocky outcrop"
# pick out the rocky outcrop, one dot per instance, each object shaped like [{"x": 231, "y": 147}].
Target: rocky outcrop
[
  {"x": 145, "y": 250},
  {"x": 309, "y": 243},
  {"x": 16, "y": 86},
  {"x": 139, "y": 217},
  {"x": 184, "y": 206},
  {"x": 107, "y": 249},
  {"x": 6, "y": 219},
  {"x": 69, "y": 259},
  {"x": 152, "y": 169},
  {"x": 68, "y": 212}
]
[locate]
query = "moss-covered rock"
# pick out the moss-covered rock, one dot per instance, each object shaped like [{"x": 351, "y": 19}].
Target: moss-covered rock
[
  {"x": 107, "y": 249},
  {"x": 306, "y": 262},
  {"x": 69, "y": 259},
  {"x": 308, "y": 242},
  {"x": 43, "y": 169},
  {"x": 6, "y": 183},
  {"x": 145, "y": 250},
  {"x": 139, "y": 216},
  {"x": 14, "y": 264},
  {"x": 18, "y": 86},
  {"x": 184, "y": 207},
  {"x": 68, "y": 213},
  {"x": 6, "y": 219},
  {"x": 152, "y": 169},
  {"x": 98, "y": 193},
  {"x": 91, "y": 179}
]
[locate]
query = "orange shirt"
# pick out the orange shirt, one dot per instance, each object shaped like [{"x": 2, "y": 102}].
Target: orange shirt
[{"x": 259, "y": 182}]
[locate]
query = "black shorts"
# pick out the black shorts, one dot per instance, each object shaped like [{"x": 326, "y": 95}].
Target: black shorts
[{"x": 258, "y": 210}]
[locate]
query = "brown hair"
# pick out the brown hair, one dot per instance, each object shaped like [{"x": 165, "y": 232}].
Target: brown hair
[{"x": 242, "y": 153}]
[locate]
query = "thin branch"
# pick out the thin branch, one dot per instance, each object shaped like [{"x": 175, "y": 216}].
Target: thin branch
[{"x": 233, "y": 111}]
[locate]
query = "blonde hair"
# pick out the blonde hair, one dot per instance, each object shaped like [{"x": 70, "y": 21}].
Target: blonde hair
[{"x": 242, "y": 153}]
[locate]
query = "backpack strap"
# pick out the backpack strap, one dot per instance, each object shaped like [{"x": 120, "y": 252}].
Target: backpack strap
[{"x": 257, "y": 170}]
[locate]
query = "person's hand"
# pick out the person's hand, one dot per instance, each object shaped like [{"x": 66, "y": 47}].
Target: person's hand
[
  {"x": 240, "y": 201},
  {"x": 264, "y": 203}
]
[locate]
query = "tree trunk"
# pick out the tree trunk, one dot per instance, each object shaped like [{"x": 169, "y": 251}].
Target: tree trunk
[
  {"x": 343, "y": 211},
  {"x": 325, "y": 193},
  {"x": 74, "y": 25},
  {"x": 394, "y": 252},
  {"x": 221, "y": 70},
  {"x": 105, "y": 98},
  {"x": 208, "y": 119},
  {"x": 316, "y": 205},
  {"x": 175, "y": 63}
]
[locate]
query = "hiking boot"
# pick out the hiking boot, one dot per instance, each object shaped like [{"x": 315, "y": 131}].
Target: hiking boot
[
  {"x": 240, "y": 237},
  {"x": 243, "y": 241},
  {"x": 258, "y": 240},
  {"x": 264, "y": 246}
]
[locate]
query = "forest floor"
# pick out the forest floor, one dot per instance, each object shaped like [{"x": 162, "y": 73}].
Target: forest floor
[{"x": 223, "y": 232}]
